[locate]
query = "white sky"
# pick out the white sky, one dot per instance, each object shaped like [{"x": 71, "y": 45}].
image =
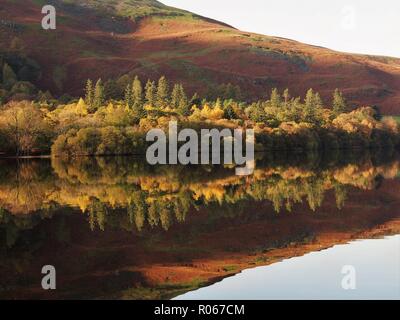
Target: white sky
[{"x": 359, "y": 26}]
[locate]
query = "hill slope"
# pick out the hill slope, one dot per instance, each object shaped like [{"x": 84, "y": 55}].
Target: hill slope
[{"x": 111, "y": 38}]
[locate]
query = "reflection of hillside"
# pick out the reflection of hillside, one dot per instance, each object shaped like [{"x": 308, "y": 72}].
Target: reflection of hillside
[
  {"x": 158, "y": 196},
  {"x": 225, "y": 223},
  {"x": 118, "y": 264}
]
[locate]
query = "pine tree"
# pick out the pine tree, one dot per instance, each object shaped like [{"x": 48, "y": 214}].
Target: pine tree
[
  {"x": 318, "y": 101},
  {"x": 313, "y": 107},
  {"x": 9, "y": 77},
  {"x": 218, "y": 104},
  {"x": 162, "y": 93},
  {"x": 128, "y": 96},
  {"x": 111, "y": 90},
  {"x": 44, "y": 96},
  {"x": 89, "y": 93},
  {"x": 195, "y": 100},
  {"x": 275, "y": 99},
  {"x": 150, "y": 93},
  {"x": 309, "y": 107},
  {"x": 175, "y": 96},
  {"x": 183, "y": 105},
  {"x": 257, "y": 112},
  {"x": 296, "y": 108},
  {"x": 98, "y": 99},
  {"x": 81, "y": 107},
  {"x": 179, "y": 100},
  {"x": 339, "y": 103},
  {"x": 137, "y": 96},
  {"x": 286, "y": 97}
]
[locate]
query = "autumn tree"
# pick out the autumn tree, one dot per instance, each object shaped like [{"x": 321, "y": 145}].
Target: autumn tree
[
  {"x": 257, "y": 112},
  {"x": 24, "y": 126}
]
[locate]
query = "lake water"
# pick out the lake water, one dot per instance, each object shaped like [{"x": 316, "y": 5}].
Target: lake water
[
  {"x": 318, "y": 275},
  {"x": 118, "y": 228}
]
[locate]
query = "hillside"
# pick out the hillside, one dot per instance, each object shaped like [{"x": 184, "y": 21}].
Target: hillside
[{"x": 109, "y": 39}]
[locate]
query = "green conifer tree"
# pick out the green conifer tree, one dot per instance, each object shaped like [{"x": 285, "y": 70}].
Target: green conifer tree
[
  {"x": 309, "y": 107},
  {"x": 275, "y": 99},
  {"x": 183, "y": 104},
  {"x": 89, "y": 93},
  {"x": 98, "y": 98},
  {"x": 286, "y": 97},
  {"x": 128, "y": 96},
  {"x": 195, "y": 100},
  {"x": 162, "y": 93},
  {"x": 150, "y": 94},
  {"x": 175, "y": 96},
  {"x": 137, "y": 96},
  {"x": 339, "y": 103}
]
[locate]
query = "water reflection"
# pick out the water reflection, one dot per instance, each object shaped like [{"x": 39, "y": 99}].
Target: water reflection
[{"x": 142, "y": 232}]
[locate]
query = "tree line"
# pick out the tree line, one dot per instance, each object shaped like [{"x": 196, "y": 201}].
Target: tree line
[
  {"x": 98, "y": 125},
  {"x": 136, "y": 96}
]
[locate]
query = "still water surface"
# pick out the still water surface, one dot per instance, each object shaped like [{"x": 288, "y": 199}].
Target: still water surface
[
  {"x": 318, "y": 275},
  {"x": 117, "y": 228}
]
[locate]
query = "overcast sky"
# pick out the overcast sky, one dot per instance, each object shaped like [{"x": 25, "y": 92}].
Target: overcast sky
[{"x": 360, "y": 26}]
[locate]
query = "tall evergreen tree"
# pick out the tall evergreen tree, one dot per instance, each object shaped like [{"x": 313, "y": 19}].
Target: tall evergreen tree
[
  {"x": 309, "y": 107},
  {"x": 128, "y": 96},
  {"x": 98, "y": 99},
  {"x": 339, "y": 103},
  {"x": 183, "y": 104},
  {"x": 179, "y": 100},
  {"x": 137, "y": 95},
  {"x": 150, "y": 94},
  {"x": 111, "y": 90},
  {"x": 313, "y": 107},
  {"x": 318, "y": 101},
  {"x": 162, "y": 93},
  {"x": 175, "y": 96},
  {"x": 286, "y": 97},
  {"x": 89, "y": 93},
  {"x": 195, "y": 100},
  {"x": 275, "y": 99}
]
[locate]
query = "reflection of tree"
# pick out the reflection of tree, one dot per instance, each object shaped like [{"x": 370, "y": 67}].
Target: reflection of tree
[
  {"x": 137, "y": 209},
  {"x": 97, "y": 213},
  {"x": 161, "y": 196},
  {"x": 340, "y": 194}
]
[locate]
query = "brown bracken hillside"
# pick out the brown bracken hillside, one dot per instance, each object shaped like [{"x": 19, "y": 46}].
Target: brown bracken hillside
[{"x": 108, "y": 39}]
